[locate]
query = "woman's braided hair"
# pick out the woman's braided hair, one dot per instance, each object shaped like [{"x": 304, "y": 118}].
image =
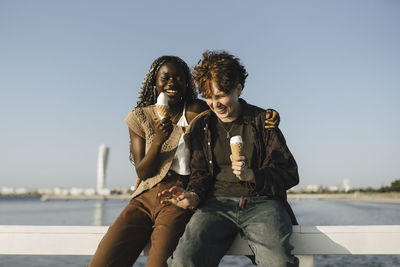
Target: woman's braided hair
[{"x": 148, "y": 94}]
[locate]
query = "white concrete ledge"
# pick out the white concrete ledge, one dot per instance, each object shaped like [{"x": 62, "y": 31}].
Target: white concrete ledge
[{"x": 307, "y": 240}]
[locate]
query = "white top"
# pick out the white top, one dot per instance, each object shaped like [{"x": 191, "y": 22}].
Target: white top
[{"x": 181, "y": 161}]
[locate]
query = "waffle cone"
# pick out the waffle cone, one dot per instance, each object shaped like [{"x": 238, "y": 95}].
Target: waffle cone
[
  {"x": 237, "y": 149},
  {"x": 162, "y": 111}
]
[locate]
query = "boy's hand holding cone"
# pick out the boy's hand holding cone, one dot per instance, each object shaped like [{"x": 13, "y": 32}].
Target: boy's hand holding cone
[{"x": 242, "y": 172}]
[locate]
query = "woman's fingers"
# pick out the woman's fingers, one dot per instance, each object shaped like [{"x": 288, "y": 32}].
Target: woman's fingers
[
  {"x": 178, "y": 196},
  {"x": 180, "y": 201},
  {"x": 169, "y": 201},
  {"x": 164, "y": 193},
  {"x": 272, "y": 119},
  {"x": 164, "y": 125},
  {"x": 168, "y": 192},
  {"x": 177, "y": 190},
  {"x": 174, "y": 195}
]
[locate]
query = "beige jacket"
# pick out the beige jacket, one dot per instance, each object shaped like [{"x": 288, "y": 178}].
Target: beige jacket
[{"x": 141, "y": 122}]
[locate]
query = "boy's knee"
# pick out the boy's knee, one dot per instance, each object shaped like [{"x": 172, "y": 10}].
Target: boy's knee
[
  {"x": 275, "y": 256},
  {"x": 179, "y": 259}
]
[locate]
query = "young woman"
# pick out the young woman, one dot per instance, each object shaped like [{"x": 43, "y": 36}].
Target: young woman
[{"x": 161, "y": 159}]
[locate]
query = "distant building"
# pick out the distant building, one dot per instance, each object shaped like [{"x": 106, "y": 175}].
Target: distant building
[
  {"x": 101, "y": 169},
  {"x": 313, "y": 188},
  {"x": 89, "y": 192},
  {"x": 334, "y": 188},
  {"x": 291, "y": 190},
  {"x": 61, "y": 191},
  {"x": 75, "y": 191},
  {"x": 7, "y": 190},
  {"x": 45, "y": 191},
  {"x": 347, "y": 185},
  {"x": 21, "y": 191}
]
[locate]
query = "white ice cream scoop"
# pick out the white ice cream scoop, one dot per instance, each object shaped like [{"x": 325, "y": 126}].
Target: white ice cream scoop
[
  {"x": 236, "y": 139},
  {"x": 237, "y": 146},
  {"x": 162, "y": 105},
  {"x": 162, "y": 99}
]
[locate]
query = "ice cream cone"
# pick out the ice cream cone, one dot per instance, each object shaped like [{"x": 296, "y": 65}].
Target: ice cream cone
[
  {"x": 162, "y": 105},
  {"x": 237, "y": 146},
  {"x": 162, "y": 111}
]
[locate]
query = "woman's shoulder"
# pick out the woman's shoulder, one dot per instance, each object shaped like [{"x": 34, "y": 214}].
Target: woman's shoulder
[
  {"x": 142, "y": 111},
  {"x": 140, "y": 115},
  {"x": 194, "y": 108}
]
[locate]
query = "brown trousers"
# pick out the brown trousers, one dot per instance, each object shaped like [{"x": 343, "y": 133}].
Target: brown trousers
[{"x": 142, "y": 219}]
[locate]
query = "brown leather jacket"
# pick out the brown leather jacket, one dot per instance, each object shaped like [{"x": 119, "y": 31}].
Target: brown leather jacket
[{"x": 276, "y": 170}]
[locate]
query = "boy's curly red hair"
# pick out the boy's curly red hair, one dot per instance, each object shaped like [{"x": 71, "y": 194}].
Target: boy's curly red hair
[{"x": 220, "y": 67}]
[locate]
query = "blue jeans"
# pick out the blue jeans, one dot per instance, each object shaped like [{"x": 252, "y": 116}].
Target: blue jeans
[{"x": 263, "y": 222}]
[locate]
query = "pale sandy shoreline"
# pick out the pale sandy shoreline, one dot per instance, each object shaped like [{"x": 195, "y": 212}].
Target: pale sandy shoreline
[
  {"x": 390, "y": 198},
  {"x": 79, "y": 197}
]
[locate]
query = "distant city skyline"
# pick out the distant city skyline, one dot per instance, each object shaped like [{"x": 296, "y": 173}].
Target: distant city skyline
[{"x": 70, "y": 72}]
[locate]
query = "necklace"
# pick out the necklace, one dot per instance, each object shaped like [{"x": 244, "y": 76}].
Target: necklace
[{"x": 228, "y": 133}]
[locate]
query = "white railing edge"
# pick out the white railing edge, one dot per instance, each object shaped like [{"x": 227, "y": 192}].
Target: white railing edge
[{"x": 307, "y": 240}]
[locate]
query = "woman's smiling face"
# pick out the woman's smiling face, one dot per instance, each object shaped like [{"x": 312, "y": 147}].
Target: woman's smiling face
[
  {"x": 170, "y": 79},
  {"x": 225, "y": 106}
]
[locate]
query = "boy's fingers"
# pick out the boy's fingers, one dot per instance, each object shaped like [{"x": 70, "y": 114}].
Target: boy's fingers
[{"x": 239, "y": 158}]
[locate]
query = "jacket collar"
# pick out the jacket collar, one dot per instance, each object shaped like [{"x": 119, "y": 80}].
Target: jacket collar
[{"x": 247, "y": 114}]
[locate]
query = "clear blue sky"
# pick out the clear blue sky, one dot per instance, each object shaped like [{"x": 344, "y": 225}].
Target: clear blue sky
[{"x": 70, "y": 72}]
